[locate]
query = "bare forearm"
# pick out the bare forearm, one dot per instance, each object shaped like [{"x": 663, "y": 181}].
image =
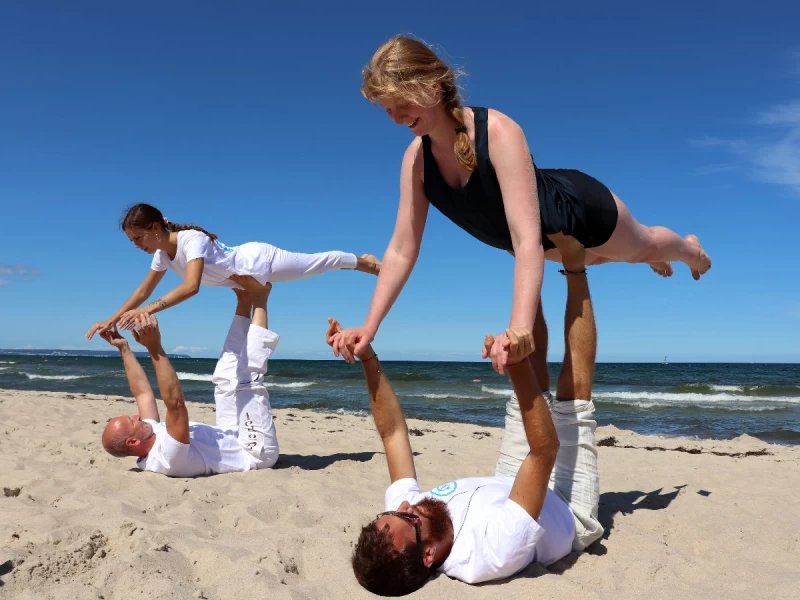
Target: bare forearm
[
  {"x": 386, "y": 410},
  {"x": 528, "y": 273},
  {"x": 137, "y": 380},
  {"x": 176, "y": 296},
  {"x": 536, "y": 419},
  {"x": 168, "y": 382},
  {"x": 395, "y": 271}
]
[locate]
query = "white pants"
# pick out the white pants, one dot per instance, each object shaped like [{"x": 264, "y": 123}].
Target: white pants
[
  {"x": 574, "y": 478},
  {"x": 266, "y": 262},
  {"x": 241, "y": 398}
]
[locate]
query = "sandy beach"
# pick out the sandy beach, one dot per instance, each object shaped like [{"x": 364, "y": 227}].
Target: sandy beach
[{"x": 684, "y": 518}]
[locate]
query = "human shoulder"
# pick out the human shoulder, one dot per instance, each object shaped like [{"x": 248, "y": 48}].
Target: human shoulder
[
  {"x": 413, "y": 161},
  {"x": 190, "y": 235},
  {"x": 502, "y": 129},
  {"x": 402, "y": 489},
  {"x": 193, "y": 244}
]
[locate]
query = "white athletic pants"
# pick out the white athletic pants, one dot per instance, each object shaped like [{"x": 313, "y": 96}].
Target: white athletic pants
[
  {"x": 241, "y": 398},
  {"x": 283, "y": 265},
  {"x": 574, "y": 478}
]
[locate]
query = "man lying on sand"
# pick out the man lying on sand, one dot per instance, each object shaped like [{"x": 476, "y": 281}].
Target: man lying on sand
[
  {"x": 542, "y": 502},
  {"x": 244, "y": 437}
]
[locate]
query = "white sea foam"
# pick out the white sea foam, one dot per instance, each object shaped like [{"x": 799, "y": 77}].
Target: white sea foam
[
  {"x": 55, "y": 377},
  {"x": 7, "y": 362},
  {"x": 673, "y": 398},
  {"x": 441, "y": 396},
  {"x": 727, "y": 388},
  {"x": 184, "y": 376},
  {"x": 356, "y": 413},
  {"x": 292, "y": 385},
  {"x": 193, "y": 376},
  {"x": 497, "y": 391}
]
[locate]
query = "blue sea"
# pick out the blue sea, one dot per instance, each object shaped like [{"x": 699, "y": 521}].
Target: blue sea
[{"x": 702, "y": 400}]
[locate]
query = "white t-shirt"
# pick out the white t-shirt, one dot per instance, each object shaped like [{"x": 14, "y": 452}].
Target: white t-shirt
[
  {"x": 221, "y": 261},
  {"x": 494, "y": 537},
  {"x": 210, "y": 450}
]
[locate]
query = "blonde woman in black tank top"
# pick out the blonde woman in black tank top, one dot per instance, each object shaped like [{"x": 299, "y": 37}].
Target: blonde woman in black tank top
[{"x": 473, "y": 164}]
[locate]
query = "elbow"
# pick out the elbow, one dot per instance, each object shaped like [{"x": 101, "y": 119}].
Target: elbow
[
  {"x": 404, "y": 248},
  {"x": 546, "y": 450},
  {"x": 528, "y": 248},
  {"x": 554, "y": 446},
  {"x": 388, "y": 433},
  {"x": 551, "y": 450},
  {"x": 391, "y": 431},
  {"x": 192, "y": 289}
]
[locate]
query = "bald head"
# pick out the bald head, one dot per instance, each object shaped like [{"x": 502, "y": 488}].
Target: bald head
[{"x": 127, "y": 436}]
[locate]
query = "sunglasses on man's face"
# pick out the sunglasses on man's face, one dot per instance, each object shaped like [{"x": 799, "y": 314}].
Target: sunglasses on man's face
[{"x": 409, "y": 518}]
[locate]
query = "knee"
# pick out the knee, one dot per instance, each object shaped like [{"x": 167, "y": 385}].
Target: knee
[{"x": 647, "y": 250}]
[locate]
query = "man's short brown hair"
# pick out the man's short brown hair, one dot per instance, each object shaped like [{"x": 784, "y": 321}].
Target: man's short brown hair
[{"x": 383, "y": 570}]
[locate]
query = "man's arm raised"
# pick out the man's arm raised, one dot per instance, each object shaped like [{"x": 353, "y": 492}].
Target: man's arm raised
[
  {"x": 389, "y": 418},
  {"x": 530, "y": 485},
  {"x": 146, "y": 332},
  {"x": 137, "y": 380}
]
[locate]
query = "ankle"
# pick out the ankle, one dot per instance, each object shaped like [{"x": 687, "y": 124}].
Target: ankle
[{"x": 573, "y": 271}]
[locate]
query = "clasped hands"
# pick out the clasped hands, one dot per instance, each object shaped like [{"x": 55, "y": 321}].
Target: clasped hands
[{"x": 509, "y": 348}]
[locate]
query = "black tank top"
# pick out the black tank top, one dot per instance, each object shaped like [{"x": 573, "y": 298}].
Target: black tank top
[{"x": 478, "y": 207}]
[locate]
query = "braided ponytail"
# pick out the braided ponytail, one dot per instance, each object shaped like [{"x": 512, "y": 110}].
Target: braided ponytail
[
  {"x": 465, "y": 153},
  {"x": 143, "y": 216},
  {"x": 170, "y": 226}
]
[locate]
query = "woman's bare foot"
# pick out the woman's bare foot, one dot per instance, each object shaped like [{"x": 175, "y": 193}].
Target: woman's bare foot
[
  {"x": 702, "y": 263},
  {"x": 662, "y": 268},
  {"x": 367, "y": 263}
]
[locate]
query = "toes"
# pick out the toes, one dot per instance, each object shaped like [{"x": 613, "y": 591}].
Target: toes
[
  {"x": 704, "y": 261},
  {"x": 662, "y": 268}
]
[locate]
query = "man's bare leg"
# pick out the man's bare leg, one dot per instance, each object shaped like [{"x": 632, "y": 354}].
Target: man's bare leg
[
  {"x": 580, "y": 332},
  {"x": 575, "y": 477},
  {"x": 538, "y": 359}
]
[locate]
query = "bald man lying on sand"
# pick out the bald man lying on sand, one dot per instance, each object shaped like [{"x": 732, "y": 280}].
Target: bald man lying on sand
[{"x": 244, "y": 437}]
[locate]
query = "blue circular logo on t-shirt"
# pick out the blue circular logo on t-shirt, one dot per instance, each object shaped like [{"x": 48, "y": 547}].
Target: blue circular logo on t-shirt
[{"x": 445, "y": 490}]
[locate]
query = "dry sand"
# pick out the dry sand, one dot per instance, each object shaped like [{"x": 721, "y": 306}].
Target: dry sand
[{"x": 77, "y": 523}]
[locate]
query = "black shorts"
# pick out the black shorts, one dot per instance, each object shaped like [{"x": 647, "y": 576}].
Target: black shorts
[{"x": 575, "y": 204}]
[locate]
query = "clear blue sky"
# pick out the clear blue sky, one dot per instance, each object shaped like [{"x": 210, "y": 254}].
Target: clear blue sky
[{"x": 246, "y": 118}]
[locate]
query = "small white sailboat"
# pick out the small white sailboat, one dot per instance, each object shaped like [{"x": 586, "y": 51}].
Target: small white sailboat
[{"x": 665, "y": 361}]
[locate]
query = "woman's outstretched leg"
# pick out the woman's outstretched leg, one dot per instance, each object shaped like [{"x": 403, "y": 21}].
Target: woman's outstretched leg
[
  {"x": 291, "y": 266},
  {"x": 657, "y": 246}
]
